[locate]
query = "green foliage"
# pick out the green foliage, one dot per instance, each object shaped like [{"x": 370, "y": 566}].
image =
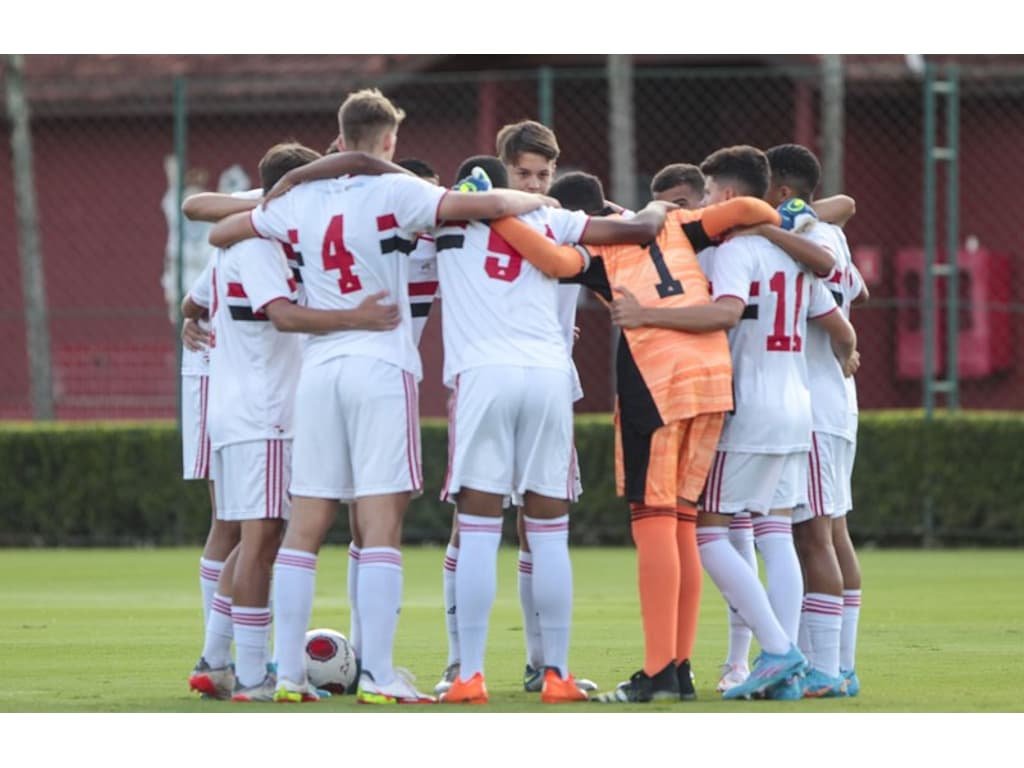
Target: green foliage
[{"x": 951, "y": 480}]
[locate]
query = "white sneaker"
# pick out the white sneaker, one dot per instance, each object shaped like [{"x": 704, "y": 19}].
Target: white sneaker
[
  {"x": 447, "y": 678},
  {"x": 399, "y": 691},
  {"x": 732, "y": 674},
  {"x": 289, "y": 692}
]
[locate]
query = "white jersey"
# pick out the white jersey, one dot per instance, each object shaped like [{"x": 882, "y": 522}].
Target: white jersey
[
  {"x": 499, "y": 309},
  {"x": 254, "y": 367},
  {"x": 355, "y": 235},
  {"x": 422, "y": 283},
  {"x": 197, "y": 363},
  {"x": 568, "y": 298},
  {"x": 772, "y": 399},
  {"x": 833, "y": 396}
]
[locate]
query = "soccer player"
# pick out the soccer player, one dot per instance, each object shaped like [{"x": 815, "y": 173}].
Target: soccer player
[
  {"x": 673, "y": 390},
  {"x": 352, "y": 233},
  {"x": 681, "y": 184},
  {"x": 795, "y": 172},
  {"x": 249, "y": 294}
]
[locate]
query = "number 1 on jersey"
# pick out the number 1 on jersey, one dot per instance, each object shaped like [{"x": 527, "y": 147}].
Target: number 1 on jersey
[
  {"x": 337, "y": 256},
  {"x": 778, "y": 341},
  {"x": 667, "y": 286}
]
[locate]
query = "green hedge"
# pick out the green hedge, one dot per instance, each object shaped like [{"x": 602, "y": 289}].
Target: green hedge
[{"x": 955, "y": 479}]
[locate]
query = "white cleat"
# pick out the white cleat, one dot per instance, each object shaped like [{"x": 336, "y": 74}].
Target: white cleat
[{"x": 732, "y": 674}]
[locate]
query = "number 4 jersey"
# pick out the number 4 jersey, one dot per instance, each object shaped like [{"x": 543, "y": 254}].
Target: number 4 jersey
[{"x": 773, "y": 402}]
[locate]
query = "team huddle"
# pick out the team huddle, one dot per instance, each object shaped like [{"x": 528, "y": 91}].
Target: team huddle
[{"x": 735, "y": 412}]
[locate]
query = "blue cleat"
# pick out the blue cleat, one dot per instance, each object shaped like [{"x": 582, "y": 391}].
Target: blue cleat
[
  {"x": 818, "y": 685},
  {"x": 790, "y": 689},
  {"x": 770, "y": 669},
  {"x": 852, "y": 681}
]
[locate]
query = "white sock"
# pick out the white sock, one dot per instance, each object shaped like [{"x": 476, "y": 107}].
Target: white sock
[
  {"x": 252, "y": 631},
  {"x": 293, "y": 584},
  {"x": 552, "y": 587},
  {"x": 476, "y": 584},
  {"x": 804, "y": 635},
  {"x": 531, "y": 621},
  {"x": 209, "y": 575},
  {"x": 217, "y": 644},
  {"x": 740, "y": 587},
  {"x": 774, "y": 537},
  {"x": 823, "y": 615},
  {"x": 379, "y": 599},
  {"x": 354, "y": 633},
  {"x": 741, "y": 536},
  {"x": 451, "y": 558},
  {"x": 848, "y": 635}
]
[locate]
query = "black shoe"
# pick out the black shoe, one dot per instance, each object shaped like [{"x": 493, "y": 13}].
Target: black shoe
[
  {"x": 643, "y": 688},
  {"x": 685, "y": 675},
  {"x": 353, "y": 687}
]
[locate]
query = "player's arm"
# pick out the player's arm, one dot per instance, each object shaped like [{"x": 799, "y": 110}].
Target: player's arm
[
  {"x": 843, "y": 338},
  {"x": 803, "y": 251},
  {"x": 616, "y": 230},
  {"x": 837, "y": 209},
  {"x": 714, "y": 221},
  {"x": 864, "y": 295},
  {"x": 234, "y": 229},
  {"x": 192, "y": 309},
  {"x": 331, "y": 167},
  {"x": 496, "y": 204},
  {"x": 370, "y": 315},
  {"x": 214, "y": 206},
  {"x": 722, "y": 314},
  {"x": 193, "y": 337}
]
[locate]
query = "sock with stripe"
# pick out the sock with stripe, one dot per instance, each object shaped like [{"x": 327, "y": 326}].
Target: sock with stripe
[
  {"x": 252, "y": 631},
  {"x": 219, "y": 633},
  {"x": 209, "y": 575},
  {"x": 691, "y": 578},
  {"x": 294, "y": 582},
  {"x": 355, "y": 636},
  {"x": 785, "y": 579},
  {"x": 531, "y": 621},
  {"x": 848, "y": 634},
  {"x": 476, "y": 584},
  {"x": 657, "y": 560},
  {"x": 741, "y": 536},
  {"x": 451, "y": 558},
  {"x": 740, "y": 587},
  {"x": 379, "y": 599},
  {"x": 823, "y": 616},
  {"x": 552, "y": 587}
]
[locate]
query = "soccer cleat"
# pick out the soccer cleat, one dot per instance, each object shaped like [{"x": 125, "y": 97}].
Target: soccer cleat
[
  {"x": 295, "y": 693},
  {"x": 687, "y": 692},
  {"x": 262, "y": 691},
  {"x": 818, "y": 685},
  {"x": 641, "y": 688},
  {"x": 770, "y": 669},
  {"x": 399, "y": 691},
  {"x": 790, "y": 689},
  {"x": 852, "y": 681},
  {"x": 533, "y": 679},
  {"x": 472, "y": 691},
  {"x": 447, "y": 678},
  {"x": 560, "y": 690},
  {"x": 216, "y": 683},
  {"x": 586, "y": 685},
  {"x": 732, "y": 674}
]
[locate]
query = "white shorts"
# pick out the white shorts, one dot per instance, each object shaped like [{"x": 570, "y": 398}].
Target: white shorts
[
  {"x": 755, "y": 482},
  {"x": 251, "y": 480},
  {"x": 510, "y": 431},
  {"x": 577, "y": 482},
  {"x": 357, "y": 430},
  {"x": 195, "y": 441},
  {"x": 829, "y": 466}
]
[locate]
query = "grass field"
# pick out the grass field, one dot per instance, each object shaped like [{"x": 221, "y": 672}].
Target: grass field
[{"x": 119, "y": 630}]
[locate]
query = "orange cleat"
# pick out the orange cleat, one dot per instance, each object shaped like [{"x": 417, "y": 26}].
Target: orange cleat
[
  {"x": 559, "y": 690},
  {"x": 472, "y": 691}
]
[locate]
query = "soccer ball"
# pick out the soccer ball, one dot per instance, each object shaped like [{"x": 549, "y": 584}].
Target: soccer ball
[{"x": 330, "y": 660}]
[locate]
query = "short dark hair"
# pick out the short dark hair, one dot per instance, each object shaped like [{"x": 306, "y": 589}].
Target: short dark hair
[
  {"x": 795, "y": 166},
  {"x": 492, "y": 167},
  {"x": 421, "y": 168},
  {"x": 281, "y": 158},
  {"x": 526, "y": 136},
  {"x": 676, "y": 174},
  {"x": 742, "y": 164},
  {"x": 579, "y": 191}
]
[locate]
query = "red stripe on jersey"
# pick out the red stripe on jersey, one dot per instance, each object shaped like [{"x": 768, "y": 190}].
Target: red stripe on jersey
[
  {"x": 548, "y": 233},
  {"x": 755, "y": 288},
  {"x": 423, "y": 289},
  {"x": 236, "y": 291},
  {"x": 387, "y": 221}
]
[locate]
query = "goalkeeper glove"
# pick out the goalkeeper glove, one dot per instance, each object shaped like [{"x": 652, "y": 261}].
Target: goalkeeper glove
[
  {"x": 797, "y": 216},
  {"x": 477, "y": 181}
]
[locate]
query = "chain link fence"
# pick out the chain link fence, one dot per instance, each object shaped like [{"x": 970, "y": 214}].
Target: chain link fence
[{"x": 105, "y": 175}]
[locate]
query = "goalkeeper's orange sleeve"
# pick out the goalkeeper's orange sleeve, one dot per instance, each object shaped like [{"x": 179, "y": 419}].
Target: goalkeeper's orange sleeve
[
  {"x": 738, "y": 212},
  {"x": 553, "y": 260}
]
